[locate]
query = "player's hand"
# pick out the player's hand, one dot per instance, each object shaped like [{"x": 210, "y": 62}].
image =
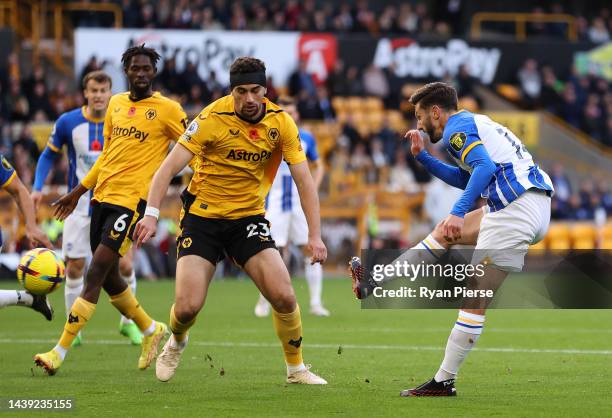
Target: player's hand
[
  {"x": 417, "y": 144},
  {"x": 452, "y": 228},
  {"x": 65, "y": 205},
  {"x": 36, "y": 198},
  {"x": 145, "y": 230},
  {"x": 37, "y": 237},
  {"x": 318, "y": 250}
]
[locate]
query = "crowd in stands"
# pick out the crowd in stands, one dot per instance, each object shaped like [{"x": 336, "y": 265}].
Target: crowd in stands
[{"x": 581, "y": 100}]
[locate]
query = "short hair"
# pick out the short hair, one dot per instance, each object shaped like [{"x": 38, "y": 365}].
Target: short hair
[
  {"x": 285, "y": 101},
  {"x": 97, "y": 76},
  {"x": 139, "y": 50},
  {"x": 438, "y": 93},
  {"x": 245, "y": 65}
]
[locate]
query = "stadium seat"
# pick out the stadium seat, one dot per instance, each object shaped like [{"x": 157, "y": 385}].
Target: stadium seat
[
  {"x": 373, "y": 104},
  {"x": 355, "y": 104},
  {"x": 583, "y": 236},
  {"x": 606, "y": 244},
  {"x": 606, "y": 232},
  {"x": 538, "y": 248},
  {"x": 339, "y": 104},
  {"x": 558, "y": 236}
]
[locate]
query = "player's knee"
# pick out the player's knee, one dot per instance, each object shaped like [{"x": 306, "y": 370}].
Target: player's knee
[
  {"x": 125, "y": 269},
  {"x": 75, "y": 270},
  {"x": 185, "y": 310},
  {"x": 284, "y": 302}
]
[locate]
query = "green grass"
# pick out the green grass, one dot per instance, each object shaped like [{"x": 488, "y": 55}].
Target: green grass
[{"x": 380, "y": 356}]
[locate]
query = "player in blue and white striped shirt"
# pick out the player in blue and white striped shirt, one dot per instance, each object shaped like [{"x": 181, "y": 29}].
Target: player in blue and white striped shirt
[
  {"x": 491, "y": 163},
  {"x": 288, "y": 222}
]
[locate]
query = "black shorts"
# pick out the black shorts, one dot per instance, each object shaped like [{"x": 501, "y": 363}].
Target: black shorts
[
  {"x": 212, "y": 239},
  {"x": 113, "y": 225}
]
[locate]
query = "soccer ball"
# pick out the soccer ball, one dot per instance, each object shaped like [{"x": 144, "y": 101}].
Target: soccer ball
[{"x": 40, "y": 271}]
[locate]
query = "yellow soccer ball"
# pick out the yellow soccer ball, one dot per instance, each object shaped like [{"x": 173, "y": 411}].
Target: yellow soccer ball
[{"x": 40, "y": 271}]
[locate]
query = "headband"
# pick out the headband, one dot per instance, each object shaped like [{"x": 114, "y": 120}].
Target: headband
[{"x": 258, "y": 77}]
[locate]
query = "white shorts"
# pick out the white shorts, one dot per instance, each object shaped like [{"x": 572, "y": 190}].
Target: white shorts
[
  {"x": 505, "y": 235},
  {"x": 75, "y": 241},
  {"x": 289, "y": 226}
]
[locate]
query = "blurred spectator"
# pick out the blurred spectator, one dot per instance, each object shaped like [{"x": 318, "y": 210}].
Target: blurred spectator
[
  {"x": 530, "y": 82},
  {"x": 598, "y": 32},
  {"x": 375, "y": 82},
  {"x": 354, "y": 86},
  {"x": 39, "y": 103},
  {"x": 169, "y": 77},
  {"x": 401, "y": 178},
  {"x": 300, "y": 80}
]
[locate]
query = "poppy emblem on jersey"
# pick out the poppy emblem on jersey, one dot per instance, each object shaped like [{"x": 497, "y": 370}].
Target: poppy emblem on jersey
[
  {"x": 253, "y": 135},
  {"x": 150, "y": 114},
  {"x": 234, "y": 132},
  {"x": 186, "y": 242},
  {"x": 95, "y": 146},
  {"x": 457, "y": 140},
  {"x": 273, "y": 134},
  {"x": 132, "y": 111}
]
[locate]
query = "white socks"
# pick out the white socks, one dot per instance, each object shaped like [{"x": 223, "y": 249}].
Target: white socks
[
  {"x": 131, "y": 281},
  {"x": 15, "y": 298},
  {"x": 72, "y": 290},
  {"x": 462, "y": 339},
  {"x": 149, "y": 330},
  {"x": 294, "y": 369},
  {"x": 181, "y": 346},
  {"x": 314, "y": 278},
  {"x": 427, "y": 251},
  {"x": 61, "y": 351}
]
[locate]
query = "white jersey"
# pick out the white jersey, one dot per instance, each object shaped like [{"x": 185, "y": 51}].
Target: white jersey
[{"x": 515, "y": 173}]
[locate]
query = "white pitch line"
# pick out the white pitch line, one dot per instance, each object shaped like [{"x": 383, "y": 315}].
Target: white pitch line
[{"x": 335, "y": 346}]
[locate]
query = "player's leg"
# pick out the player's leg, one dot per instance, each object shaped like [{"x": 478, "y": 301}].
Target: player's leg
[
  {"x": 76, "y": 248},
  {"x": 193, "y": 276},
  {"x": 127, "y": 327},
  {"x": 83, "y": 308},
  {"x": 199, "y": 249},
  {"x": 270, "y": 274},
  {"x": 280, "y": 234},
  {"x": 429, "y": 250},
  {"x": 23, "y": 298},
  {"x": 298, "y": 234},
  {"x": 504, "y": 239}
]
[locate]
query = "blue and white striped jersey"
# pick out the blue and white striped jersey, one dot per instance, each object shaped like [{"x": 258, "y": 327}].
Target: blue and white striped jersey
[
  {"x": 515, "y": 170},
  {"x": 283, "y": 194},
  {"x": 84, "y": 139}
]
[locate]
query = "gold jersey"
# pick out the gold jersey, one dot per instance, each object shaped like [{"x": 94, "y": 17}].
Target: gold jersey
[
  {"x": 238, "y": 159},
  {"x": 136, "y": 139}
]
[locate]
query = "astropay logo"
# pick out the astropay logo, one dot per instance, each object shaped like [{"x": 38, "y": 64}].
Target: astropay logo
[
  {"x": 319, "y": 51},
  {"x": 413, "y": 60}
]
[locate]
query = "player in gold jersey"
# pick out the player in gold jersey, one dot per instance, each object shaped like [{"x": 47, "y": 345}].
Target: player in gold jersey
[
  {"x": 138, "y": 128},
  {"x": 239, "y": 140}
]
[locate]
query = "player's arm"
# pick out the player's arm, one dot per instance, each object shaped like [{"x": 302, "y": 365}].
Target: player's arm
[
  {"x": 310, "y": 204},
  {"x": 178, "y": 159},
  {"x": 449, "y": 174},
  {"x": 483, "y": 169},
  {"x": 22, "y": 197},
  {"x": 47, "y": 159}
]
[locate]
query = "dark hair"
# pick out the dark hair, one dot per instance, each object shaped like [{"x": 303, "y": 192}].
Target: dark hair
[
  {"x": 244, "y": 65},
  {"x": 139, "y": 50},
  {"x": 98, "y": 76},
  {"x": 438, "y": 93}
]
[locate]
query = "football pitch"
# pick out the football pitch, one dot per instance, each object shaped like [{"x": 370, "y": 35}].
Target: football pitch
[{"x": 527, "y": 363}]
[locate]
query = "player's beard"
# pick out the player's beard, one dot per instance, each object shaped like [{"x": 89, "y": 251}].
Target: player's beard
[{"x": 140, "y": 91}]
